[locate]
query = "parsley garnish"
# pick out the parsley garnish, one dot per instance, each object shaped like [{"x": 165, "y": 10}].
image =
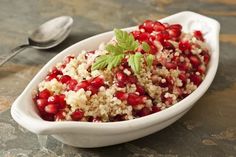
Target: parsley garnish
[{"x": 125, "y": 44}]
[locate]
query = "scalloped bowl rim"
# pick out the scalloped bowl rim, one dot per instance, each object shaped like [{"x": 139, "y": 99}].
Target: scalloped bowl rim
[{"x": 35, "y": 124}]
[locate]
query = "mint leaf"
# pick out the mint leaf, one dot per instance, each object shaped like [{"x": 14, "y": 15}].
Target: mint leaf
[
  {"x": 149, "y": 60},
  {"x": 146, "y": 47},
  {"x": 134, "y": 62}
]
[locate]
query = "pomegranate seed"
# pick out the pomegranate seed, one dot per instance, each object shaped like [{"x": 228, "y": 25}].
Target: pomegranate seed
[
  {"x": 51, "y": 108},
  {"x": 148, "y": 26},
  {"x": 140, "y": 89},
  {"x": 132, "y": 79},
  {"x": 160, "y": 37},
  {"x": 155, "y": 109},
  {"x": 136, "y": 34},
  {"x": 62, "y": 102},
  {"x": 121, "y": 95},
  {"x": 41, "y": 103},
  {"x": 201, "y": 69},
  {"x": 175, "y": 26},
  {"x": 183, "y": 77},
  {"x": 97, "y": 82},
  {"x": 206, "y": 57},
  {"x": 44, "y": 94},
  {"x": 165, "y": 35},
  {"x": 144, "y": 112},
  {"x": 65, "y": 78},
  {"x": 153, "y": 49},
  {"x": 195, "y": 61},
  {"x": 184, "y": 46},
  {"x": 68, "y": 59},
  {"x": 83, "y": 84},
  {"x": 167, "y": 45},
  {"x": 152, "y": 37},
  {"x": 60, "y": 116},
  {"x": 121, "y": 77},
  {"x": 49, "y": 77},
  {"x": 183, "y": 66},
  {"x": 71, "y": 84},
  {"x": 120, "y": 84},
  {"x": 93, "y": 89},
  {"x": 196, "y": 79},
  {"x": 56, "y": 71},
  {"x": 170, "y": 65},
  {"x": 54, "y": 99},
  {"x": 47, "y": 116},
  {"x": 174, "y": 32},
  {"x": 198, "y": 35},
  {"x": 143, "y": 37},
  {"x": 134, "y": 99},
  {"x": 77, "y": 115},
  {"x": 157, "y": 26}
]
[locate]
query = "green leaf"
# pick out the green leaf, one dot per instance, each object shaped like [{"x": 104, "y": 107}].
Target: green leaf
[
  {"x": 114, "y": 61},
  {"x": 101, "y": 62},
  {"x": 134, "y": 62},
  {"x": 146, "y": 47},
  {"x": 114, "y": 49},
  {"x": 149, "y": 60}
]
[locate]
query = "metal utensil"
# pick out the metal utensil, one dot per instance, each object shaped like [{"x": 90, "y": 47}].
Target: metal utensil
[{"x": 48, "y": 35}]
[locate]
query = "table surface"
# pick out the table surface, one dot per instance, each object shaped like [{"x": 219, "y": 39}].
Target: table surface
[{"x": 208, "y": 129}]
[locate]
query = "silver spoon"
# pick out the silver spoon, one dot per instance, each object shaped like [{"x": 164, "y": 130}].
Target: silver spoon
[{"x": 48, "y": 35}]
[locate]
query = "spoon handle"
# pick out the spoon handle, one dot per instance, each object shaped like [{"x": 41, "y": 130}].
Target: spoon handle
[{"x": 15, "y": 51}]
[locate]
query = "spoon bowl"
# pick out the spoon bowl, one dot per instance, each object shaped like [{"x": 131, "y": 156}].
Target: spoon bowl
[{"x": 46, "y": 36}]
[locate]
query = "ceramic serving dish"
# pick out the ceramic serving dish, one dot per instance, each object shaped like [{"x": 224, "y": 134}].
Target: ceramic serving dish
[{"x": 87, "y": 134}]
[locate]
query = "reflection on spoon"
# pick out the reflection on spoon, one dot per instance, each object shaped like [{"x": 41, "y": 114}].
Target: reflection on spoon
[{"x": 47, "y": 35}]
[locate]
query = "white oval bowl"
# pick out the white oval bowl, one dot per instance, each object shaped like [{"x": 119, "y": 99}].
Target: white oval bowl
[{"x": 89, "y": 135}]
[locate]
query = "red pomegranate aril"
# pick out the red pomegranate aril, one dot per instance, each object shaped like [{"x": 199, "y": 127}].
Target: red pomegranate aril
[
  {"x": 167, "y": 45},
  {"x": 152, "y": 38},
  {"x": 93, "y": 89},
  {"x": 68, "y": 59},
  {"x": 56, "y": 71},
  {"x": 183, "y": 66},
  {"x": 44, "y": 94},
  {"x": 120, "y": 84},
  {"x": 97, "y": 82},
  {"x": 148, "y": 26},
  {"x": 121, "y": 77},
  {"x": 77, "y": 115},
  {"x": 134, "y": 99},
  {"x": 121, "y": 95},
  {"x": 71, "y": 84},
  {"x": 206, "y": 57},
  {"x": 47, "y": 116},
  {"x": 140, "y": 89},
  {"x": 170, "y": 65},
  {"x": 195, "y": 61},
  {"x": 136, "y": 34},
  {"x": 157, "y": 26},
  {"x": 143, "y": 37},
  {"x": 201, "y": 69},
  {"x": 62, "y": 101},
  {"x": 144, "y": 112},
  {"x": 160, "y": 37},
  {"x": 51, "y": 108},
  {"x": 132, "y": 79},
  {"x": 198, "y": 35},
  {"x": 196, "y": 79},
  {"x": 153, "y": 49},
  {"x": 41, "y": 103},
  {"x": 184, "y": 46},
  {"x": 83, "y": 84},
  {"x": 174, "y": 33},
  {"x": 165, "y": 35},
  {"x": 65, "y": 78},
  {"x": 60, "y": 116},
  {"x": 54, "y": 99},
  {"x": 175, "y": 26},
  {"x": 183, "y": 77},
  {"x": 49, "y": 77},
  {"x": 155, "y": 109}
]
